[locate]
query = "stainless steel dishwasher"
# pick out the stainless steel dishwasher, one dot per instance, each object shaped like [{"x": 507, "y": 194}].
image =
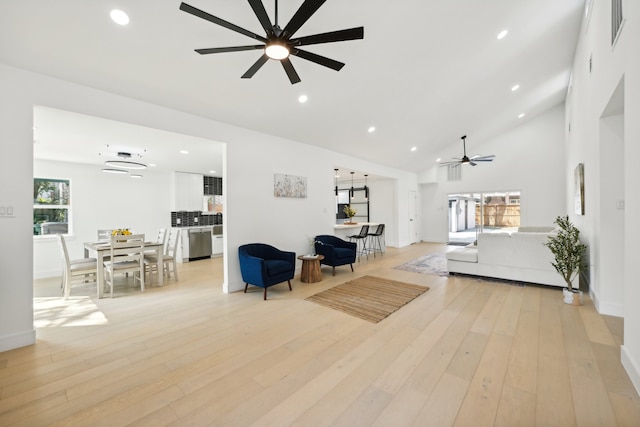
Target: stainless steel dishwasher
[{"x": 199, "y": 243}]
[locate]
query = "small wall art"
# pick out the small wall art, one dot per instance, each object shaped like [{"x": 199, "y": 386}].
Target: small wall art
[{"x": 289, "y": 186}]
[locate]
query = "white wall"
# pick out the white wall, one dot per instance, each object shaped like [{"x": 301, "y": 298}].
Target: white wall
[
  {"x": 382, "y": 207},
  {"x": 530, "y": 158},
  {"x": 587, "y": 102},
  {"x": 253, "y": 214},
  {"x": 99, "y": 201}
]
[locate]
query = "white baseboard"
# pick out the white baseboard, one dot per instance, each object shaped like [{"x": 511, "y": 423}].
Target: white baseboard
[
  {"x": 609, "y": 309},
  {"x": 21, "y": 339},
  {"x": 632, "y": 367}
]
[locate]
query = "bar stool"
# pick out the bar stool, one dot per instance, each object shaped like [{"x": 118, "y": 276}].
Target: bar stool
[
  {"x": 372, "y": 246},
  {"x": 361, "y": 237}
]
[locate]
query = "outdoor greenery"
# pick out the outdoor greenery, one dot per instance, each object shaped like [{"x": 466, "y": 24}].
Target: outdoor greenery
[
  {"x": 51, "y": 202},
  {"x": 569, "y": 253}
]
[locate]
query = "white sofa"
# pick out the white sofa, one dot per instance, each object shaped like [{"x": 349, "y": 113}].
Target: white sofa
[{"x": 520, "y": 256}]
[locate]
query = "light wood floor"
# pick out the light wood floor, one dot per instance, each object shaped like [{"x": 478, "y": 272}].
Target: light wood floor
[{"x": 465, "y": 353}]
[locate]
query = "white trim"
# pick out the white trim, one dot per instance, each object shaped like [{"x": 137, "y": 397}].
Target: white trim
[
  {"x": 21, "y": 339},
  {"x": 615, "y": 41},
  {"x": 609, "y": 309},
  {"x": 632, "y": 368}
]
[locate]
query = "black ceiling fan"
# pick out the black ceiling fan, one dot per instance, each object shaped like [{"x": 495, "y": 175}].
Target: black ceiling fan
[
  {"x": 278, "y": 43},
  {"x": 468, "y": 160}
]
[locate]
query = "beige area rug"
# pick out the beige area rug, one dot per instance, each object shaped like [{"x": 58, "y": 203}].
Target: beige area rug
[
  {"x": 368, "y": 297},
  {"x": 430, "y": 264}
]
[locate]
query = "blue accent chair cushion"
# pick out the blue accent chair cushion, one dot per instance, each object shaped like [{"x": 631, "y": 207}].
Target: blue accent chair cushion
[
  {"x": 336, "y": 251},
  {"x": 263, "y": 265}
]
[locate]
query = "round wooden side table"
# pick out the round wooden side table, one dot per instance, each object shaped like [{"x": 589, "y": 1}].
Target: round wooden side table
[{"x": 311, "y": 268}]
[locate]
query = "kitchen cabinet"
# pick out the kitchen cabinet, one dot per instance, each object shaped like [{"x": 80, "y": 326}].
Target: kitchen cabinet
[
  {"x": 212, "y": 186},
  {"x": 218, "y": 247},
  {"x": 188, "y": 191}
]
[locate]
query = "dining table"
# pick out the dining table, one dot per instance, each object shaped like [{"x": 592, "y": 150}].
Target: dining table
[{"x": 101, "y": 249}]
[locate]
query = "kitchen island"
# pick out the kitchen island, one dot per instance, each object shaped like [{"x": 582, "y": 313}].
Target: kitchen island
[{"x": 344, "y": 230}]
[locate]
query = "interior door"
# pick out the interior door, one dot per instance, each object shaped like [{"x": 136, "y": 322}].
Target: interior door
[{"x": 413, "y": 232}]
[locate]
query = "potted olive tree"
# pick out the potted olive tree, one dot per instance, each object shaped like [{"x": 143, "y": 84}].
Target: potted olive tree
[{"x": 569, "y": 256}]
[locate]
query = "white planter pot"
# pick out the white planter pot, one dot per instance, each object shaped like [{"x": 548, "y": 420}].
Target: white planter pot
[{"x": 573, "y": 297}]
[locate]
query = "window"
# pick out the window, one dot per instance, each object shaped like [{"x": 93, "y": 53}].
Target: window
[{"x": 51, "y": 206}]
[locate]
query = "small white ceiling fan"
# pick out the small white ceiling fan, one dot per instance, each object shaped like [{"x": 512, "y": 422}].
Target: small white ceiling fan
[{"x": 473, "y": 161}]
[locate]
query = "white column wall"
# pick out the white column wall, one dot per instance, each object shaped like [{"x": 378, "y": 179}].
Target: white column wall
[{"x": 587, "y": 100}]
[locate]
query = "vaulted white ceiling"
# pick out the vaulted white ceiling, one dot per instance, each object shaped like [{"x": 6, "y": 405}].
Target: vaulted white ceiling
[{"x": 425, "y": 73}]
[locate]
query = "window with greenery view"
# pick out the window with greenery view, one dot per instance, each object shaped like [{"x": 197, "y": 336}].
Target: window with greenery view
[{"x": 51, "y": 206}]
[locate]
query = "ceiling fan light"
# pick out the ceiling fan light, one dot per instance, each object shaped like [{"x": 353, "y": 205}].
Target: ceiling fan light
[
  {"x": 109, "y": 170},
  {"x": 276, "y": 50},
  {"x": 125, "y": 164}
]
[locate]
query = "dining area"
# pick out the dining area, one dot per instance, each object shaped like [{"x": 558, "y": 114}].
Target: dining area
[{"x": 120, "y": 253}]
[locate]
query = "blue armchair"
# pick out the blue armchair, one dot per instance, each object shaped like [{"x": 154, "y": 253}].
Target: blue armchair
[
  {"x": 336, "y": 251},
  {"x": 263, "y": 265}
]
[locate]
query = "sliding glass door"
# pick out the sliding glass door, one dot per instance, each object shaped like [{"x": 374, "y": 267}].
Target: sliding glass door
[{"x": 473, "y": 213}]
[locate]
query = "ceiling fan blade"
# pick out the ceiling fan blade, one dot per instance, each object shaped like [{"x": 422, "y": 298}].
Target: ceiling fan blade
[
  {"x": 228, "y": 49},
  {"x": 302, "y": 15},
  {"x": 330, "y": 37},
  {"x": 449, "y": 163},
  {"x": 318, "y": 59},
  {"x": 255, "y": 67},
  {"x": 488, "y": 157},
  {"x": 204, "y": 15},
  {"x": 291, "y": 72},
  {"x": 472, "y": 163},
  {"x": 261, "y": 14}
]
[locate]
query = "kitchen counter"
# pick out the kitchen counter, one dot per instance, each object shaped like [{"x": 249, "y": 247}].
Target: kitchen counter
[{"x": 372, "y": 225}]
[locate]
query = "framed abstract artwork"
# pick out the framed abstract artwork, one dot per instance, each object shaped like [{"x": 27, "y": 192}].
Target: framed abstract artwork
[{"x": 289, "y": 186}]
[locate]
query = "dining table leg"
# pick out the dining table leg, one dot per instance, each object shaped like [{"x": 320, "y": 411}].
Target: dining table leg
[
  {"x": 100, "y": 273},
  {"x": 160, "y": 265}
]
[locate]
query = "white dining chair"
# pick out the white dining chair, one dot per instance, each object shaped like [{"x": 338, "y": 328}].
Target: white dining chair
[
  {"x": 126, "y": 256},
  {"x": 169, "y": 258},
  {"x": 162, "y": 237},
  {"x": 75, "y": 270},
  {"x": 104, "y": 234}
]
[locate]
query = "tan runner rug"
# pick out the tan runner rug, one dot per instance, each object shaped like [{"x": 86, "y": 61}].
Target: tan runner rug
[{"x": 368, "y": 297}]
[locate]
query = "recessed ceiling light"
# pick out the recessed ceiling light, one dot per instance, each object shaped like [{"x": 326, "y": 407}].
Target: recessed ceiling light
[
  {"x": 515, "y": 87},
  {"x": 502, "y": 34},
  {"x": 184, "y": 152},
  {"x": 135, "y": 175},
  {"x": 303, "y": 98},
  {"x": 521, "y": 115},
  {"x": 152, "y": 165},
  {"x": 438, "y": 160},
  {"x": 371, "y": 129},
  {"x": 414, "y": 148},
  {"x": 212, "y": 171},
  {"x": 119, "y": 17}
]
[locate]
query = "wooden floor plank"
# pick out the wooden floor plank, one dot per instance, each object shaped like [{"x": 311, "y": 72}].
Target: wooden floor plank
[
  {"x": 466, "y": 352},
  {"x": 480, "y": 404}
]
